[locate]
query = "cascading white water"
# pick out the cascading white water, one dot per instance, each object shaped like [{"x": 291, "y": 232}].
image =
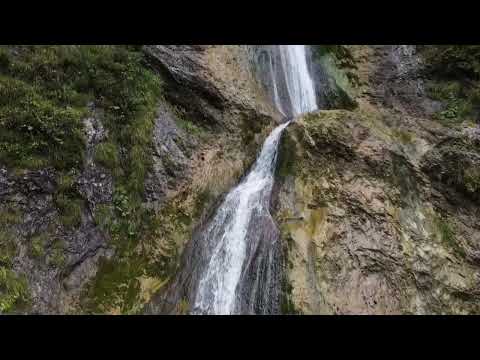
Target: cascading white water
[
  {"x": 216, "y": 292},
  {"x": 276, "y": 97},
  {"x": 299, "y": 83},
  {"x": 229, "y": 233}
]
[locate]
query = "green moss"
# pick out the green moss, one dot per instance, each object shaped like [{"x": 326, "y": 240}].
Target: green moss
[
  {"x": 202, "y": 200},
  {"x": 339, "y": 65},
  {"x": 287, "y": 307},
  {"x": 455, "y": 74},
  {"x": 14, "y": 292},
  {"x": 405, "y": 137},
  {"x": 190, "y": 127},
  {"x": 286, "y": 157},
  {"x": 472, "y": 179},
  {"x": 452, "y": 61},
  {"x": 57, "y": 256},
  {"x": 183, "y": 307},
  {"x": 37, "y": 245},
  {"x": 106, "y": 154},
  {"x": 35, "y": 131},
  {"x": 44, "y": 92},
  {"x": 340, "y": 52},
  {"x": 133, "y": 231},
  {"x": 66, "y": 183},
  {"x": 68, "y": 201},
  {"x": 4, "y": 59},
  {"x": 10, "y": 216},
  {"x": 447, "y": 235},
  {"x": 70, "y": 210},
  {"x": 104, "y": 216},
  {"x": 116, "y": 285},
  {"x": 8, "y": 248}
]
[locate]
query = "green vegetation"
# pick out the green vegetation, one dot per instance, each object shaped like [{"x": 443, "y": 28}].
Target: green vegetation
[
  {"x": 190, "y": 127},
  {"x": 287, "y": 307},
  {"x": 472, "y": 179},
  {"x": 341, "y": 53},
  {"x": 117, "y": 285},
  {"x": 57, "y": 254},
  {"x": 133, "y": 231},
  {"x": 286, "y": 157},
  {"x": 8, "y": 248},
  {"x": 70, "y": 210},
  {"x": 340, "y": 66},
  {"x": 201, "y": 202},
  {"x": 455, "y": 70},
  {"x": 453, "y": 60},
  {"x": 104, "y": 216},
  {"x": 68, "y": 201},
  {"x": 14, "y": 293},
  {"x": 13, "y": 289},
  {"x": 37, "y": 245},
  {"x": 459, "y": 102},
  {"x": 446, "y": 231},
  {"x": 45, "y": 92},
  {"x": 405, "y": 137},
  {"x": 183, "y": 307},
  {"x": 106, "y": 154},
  {"x": 10, "y": 216},
  {"x": 40, "y": 112}
]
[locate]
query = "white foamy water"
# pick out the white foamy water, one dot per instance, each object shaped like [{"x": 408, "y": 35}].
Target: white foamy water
[
  {"x": 299, "y": 83},
  {"x": 228, "y": 231}
]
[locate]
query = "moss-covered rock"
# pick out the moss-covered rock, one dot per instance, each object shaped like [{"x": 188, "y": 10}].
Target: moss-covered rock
[
  {"x": 453, "y": 79},
  {"x": 334, "y": 73}
]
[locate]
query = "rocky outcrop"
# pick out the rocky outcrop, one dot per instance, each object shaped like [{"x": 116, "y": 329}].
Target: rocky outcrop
[
  {"x": 57, "y": 258},
  {"x": 378, "y": 206},
  {"x": 378, "y": 203},
  {"x": 79, "y": 243}
]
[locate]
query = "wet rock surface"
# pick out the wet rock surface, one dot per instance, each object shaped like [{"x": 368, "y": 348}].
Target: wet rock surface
[{"x": 377, "y": 206}]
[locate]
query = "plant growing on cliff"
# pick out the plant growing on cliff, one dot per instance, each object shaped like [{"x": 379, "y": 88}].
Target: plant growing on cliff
[
  {"x": 446, "y": 231},
  {"x": 45, "y": 93},
  {"x": 455, "y": 73},
  {"x": 8, "y": 248},
  {"x": 14, "y": 291}
]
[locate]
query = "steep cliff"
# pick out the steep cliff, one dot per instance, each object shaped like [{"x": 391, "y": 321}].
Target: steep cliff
[
  {"x": 379, "y": 206},
  {"x": 112, "y": 156},
  {"x": 109, "y": 157}
]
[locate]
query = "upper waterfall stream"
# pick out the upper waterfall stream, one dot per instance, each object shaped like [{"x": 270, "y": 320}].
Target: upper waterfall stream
[{"x": 241, "y": 274}]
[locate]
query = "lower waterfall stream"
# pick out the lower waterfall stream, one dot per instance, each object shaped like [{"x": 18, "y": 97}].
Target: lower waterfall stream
[{"x": 238, "y": 252}]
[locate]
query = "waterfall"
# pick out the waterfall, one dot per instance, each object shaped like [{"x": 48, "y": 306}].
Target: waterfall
[
  {"x": 241, "y": 242},
  {"x": 299, "y": 83},
  {"x": 230, "y": 227}
]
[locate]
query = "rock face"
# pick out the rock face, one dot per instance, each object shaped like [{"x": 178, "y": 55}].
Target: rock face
[
  {"x": 210, "y": 119},
  {"x": 379, "y": 206},
  {"x": 376, "y": 197},
  {"x": 57, "y": 260}
]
